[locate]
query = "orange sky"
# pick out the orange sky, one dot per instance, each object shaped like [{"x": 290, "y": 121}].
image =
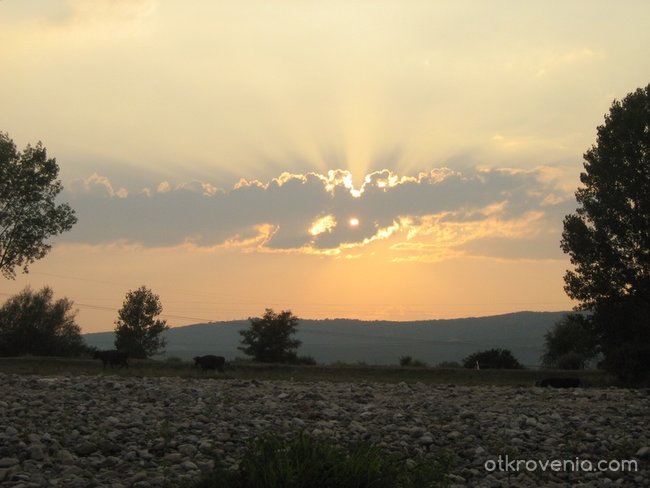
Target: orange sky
[{"x": 218, "y": 154}]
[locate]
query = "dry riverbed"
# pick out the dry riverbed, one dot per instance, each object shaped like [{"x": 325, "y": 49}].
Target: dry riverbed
[{"x": 110, "y": 431}]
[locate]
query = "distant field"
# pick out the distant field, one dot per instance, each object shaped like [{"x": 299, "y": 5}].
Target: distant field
[{"x": 332, "y": 373}]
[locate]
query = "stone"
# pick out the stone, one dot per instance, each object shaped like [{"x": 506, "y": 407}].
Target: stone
[
  {"x": 643, "y": 452},
  {"x": 187, "y": 449},
  {"x": 85, "y": 448},
  {"x": 153, "y": 431},
  {"x": 36, "y": 452},
  {"x": 7, "y": 462},
  {"x": 425, "y": 440},
  {"x": 189, "y": 466},
  {"x": 64, "y": 456}
]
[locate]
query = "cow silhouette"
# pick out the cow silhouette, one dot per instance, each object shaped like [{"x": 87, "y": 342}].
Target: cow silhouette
[
  {"x": 210, "y": 362},
  {"x": 559, "y": 382},
  {"x": 113, "y": 358}
]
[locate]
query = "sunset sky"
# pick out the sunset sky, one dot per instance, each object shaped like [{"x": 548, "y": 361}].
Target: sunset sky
[{"x": 393, "y": 160}]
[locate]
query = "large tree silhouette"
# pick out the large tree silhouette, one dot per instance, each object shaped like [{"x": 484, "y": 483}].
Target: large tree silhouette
[
  {"x": 608, "y": 237},
  {"x": 29, "y": 214}
]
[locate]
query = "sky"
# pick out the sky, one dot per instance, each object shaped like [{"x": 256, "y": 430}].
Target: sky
[{"x": 380, "y": 160}]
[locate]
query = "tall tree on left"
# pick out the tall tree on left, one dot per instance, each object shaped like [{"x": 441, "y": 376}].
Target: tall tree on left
[
  {"x": 137, "y": 330},
  {"x": 29, "y": 214}
]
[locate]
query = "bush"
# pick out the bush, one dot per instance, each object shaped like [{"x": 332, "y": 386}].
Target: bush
[
  {"x": 408, "y": 361},
  {"x": 309, "y": 462},
  {"x": 492, "y": 359},
  {"x": 34, "y": 323}
]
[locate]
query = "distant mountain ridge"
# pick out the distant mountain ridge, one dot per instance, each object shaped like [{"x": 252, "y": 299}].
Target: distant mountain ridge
[{"x": 373, "y": 342}]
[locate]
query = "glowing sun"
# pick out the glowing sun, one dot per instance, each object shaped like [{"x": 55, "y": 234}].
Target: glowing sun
[{"x": 354, "y": 222}]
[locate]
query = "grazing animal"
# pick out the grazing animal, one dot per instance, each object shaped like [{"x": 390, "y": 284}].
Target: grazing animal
[
  {"x": 113, "y": 357},
  {"x": 559, "y": 382},
  {"x": 210, "y": 362}
]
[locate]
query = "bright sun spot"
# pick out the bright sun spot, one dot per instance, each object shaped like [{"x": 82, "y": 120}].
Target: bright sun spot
[{"x": 354, "y": 222}]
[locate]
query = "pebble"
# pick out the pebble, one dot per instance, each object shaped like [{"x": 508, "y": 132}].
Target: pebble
[{"x": 123, "y": 432}]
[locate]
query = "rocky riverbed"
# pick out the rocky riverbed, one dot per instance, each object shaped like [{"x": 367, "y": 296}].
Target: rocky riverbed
[{"x": 110, "y": 431}]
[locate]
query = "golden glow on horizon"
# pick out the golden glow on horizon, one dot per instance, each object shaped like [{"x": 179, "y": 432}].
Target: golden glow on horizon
[{"x": 225, "y": 284}]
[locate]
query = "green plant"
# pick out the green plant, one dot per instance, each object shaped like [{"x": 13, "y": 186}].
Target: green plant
[
  {"x": 492, "y": 359},
  {"x": 309, "y": 462},
  {"x": 408, "y": 361}
]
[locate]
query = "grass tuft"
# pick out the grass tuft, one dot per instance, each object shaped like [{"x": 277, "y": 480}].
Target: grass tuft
[{"x": 308, "y": 462}]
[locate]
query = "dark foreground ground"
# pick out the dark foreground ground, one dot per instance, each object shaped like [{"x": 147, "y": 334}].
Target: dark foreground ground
[{"x": 72, "y": 424}]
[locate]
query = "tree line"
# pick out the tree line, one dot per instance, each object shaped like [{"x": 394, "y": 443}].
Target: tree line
[{"x": 33, "y": 322}]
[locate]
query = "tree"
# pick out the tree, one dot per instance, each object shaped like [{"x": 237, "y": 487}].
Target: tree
[
  {"x": 137, "y": 330},
  {"x": 570, "y": 343},
  {"x": 492, "y": 359},
  {"x": 269, "y": 340},
  {"x": 608, "y": 237},
  {"x": 33, "y": 323},
  {"x": 28, "y": 212}
]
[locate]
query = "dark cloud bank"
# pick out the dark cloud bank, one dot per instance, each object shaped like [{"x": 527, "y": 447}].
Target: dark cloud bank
[{"x": 311, "y": 212}]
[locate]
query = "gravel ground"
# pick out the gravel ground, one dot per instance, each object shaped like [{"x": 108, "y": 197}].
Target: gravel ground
[{"x": 109, "y": 431}]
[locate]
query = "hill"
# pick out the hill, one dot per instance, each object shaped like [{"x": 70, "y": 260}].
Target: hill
[{"x": 374, "y": 342}]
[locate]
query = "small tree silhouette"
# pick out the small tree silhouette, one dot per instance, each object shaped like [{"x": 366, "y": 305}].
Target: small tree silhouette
[
  {"x": 269, "y": 340},
  {"x": 137, "y": 330}
]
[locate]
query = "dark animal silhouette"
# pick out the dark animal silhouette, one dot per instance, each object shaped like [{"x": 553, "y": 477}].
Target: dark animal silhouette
[
  {"x": 559, "y": 382},
  {"x": 113, "y": 357},
  {"x": 210, "y": 362}
]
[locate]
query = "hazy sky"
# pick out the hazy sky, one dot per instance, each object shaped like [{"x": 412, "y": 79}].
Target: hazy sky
[{"x": 377, "y": 160}]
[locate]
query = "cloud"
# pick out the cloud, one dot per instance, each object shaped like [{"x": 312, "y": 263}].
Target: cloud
[
  {"x": 97, "y": 186},
  {"x": 430, "y": 216}
]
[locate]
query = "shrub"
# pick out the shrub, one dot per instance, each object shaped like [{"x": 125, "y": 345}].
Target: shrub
[
  {"x": 309, "y": 462},
  {"x": 492, "y": 359},
  {"x": 32, "y": 322},
  {"x": 408, "y": 361}
]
